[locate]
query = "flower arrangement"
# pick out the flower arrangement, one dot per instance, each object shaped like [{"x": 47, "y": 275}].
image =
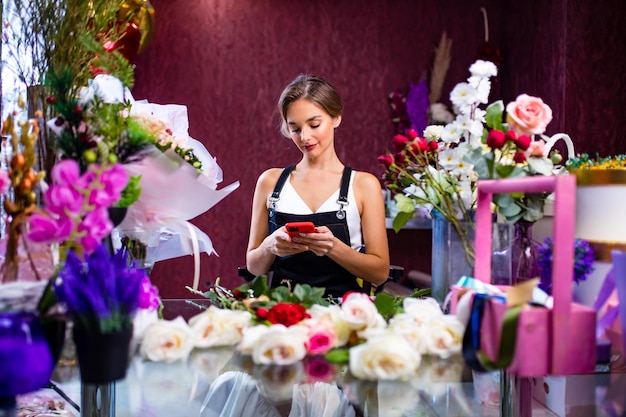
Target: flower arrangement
[
  {"x": 584, "y": 258},
  {"x": 77, "y": 206},
  {"x": 439, "y": 169},
  {"x": 101, "y": 292},
  {"x": 284, "y": 326},
  {"x": 17, "y": 185}
]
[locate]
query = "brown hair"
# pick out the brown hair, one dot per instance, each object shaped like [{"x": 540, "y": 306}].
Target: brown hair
[{"x": 311, "y": 88}]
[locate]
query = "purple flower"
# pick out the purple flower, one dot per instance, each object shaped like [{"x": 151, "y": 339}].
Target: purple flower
[
  {"x": 96, "y": 225},
  {"x": 417, "y": 106},
  {"x": 65, "y": 172},
  {"x": 114, "y": 179},
  {"x": 148, "y": 295},
  {"x": 101, "y": 291},
  {"x": 61, "y": 199},
  {"x": 45, "y": 229},
  {"x": 583, "y": 262}
]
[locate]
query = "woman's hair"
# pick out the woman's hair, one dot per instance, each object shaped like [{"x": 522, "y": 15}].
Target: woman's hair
[{"x": 311, "y": 88}]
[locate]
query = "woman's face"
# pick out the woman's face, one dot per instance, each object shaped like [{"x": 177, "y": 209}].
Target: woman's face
[{"x": 310, "y": 127}]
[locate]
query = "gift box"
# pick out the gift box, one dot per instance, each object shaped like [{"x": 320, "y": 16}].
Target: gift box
[
  {"x": 566, "y": 396},
  {"x": 556, "y": 338}
]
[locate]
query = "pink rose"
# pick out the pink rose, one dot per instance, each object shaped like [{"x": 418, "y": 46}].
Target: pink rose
[
  {"x": 321, "y": 338},
  {"x": 528, "y": 115},
  {"x": 537, "y": 147}
]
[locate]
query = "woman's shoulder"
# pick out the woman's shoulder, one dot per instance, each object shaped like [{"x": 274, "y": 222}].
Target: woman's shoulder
[
  {"x": 269, "y": 177},
  {"x": 366, "y": 181}
]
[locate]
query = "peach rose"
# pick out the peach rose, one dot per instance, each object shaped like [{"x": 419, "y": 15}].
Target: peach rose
[{"x": 528, "y": 115}]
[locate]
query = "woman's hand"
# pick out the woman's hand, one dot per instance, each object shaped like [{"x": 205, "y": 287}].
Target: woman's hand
[
  {"x": 280, "y": 244},
  {"x": 320, "y": 243}
]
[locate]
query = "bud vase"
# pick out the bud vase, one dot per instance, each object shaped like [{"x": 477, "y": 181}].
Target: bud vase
[
  {"x": 524, "y": 251},
  {"x": 102, "y": 357}
]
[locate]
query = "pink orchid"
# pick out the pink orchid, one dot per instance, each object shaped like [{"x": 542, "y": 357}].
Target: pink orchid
[
  {"x": 65, "y": 172},
  {"x": 5, "y": 182},
  {"x": 43, "y": 228}
]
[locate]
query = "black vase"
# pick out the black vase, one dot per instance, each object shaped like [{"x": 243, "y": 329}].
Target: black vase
[{"x": 102, "y": 357}]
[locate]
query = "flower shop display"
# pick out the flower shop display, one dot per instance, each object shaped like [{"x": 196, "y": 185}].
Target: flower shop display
[
  {"x": 285, "y": 326},
  {"x": 438, "y": 168}
]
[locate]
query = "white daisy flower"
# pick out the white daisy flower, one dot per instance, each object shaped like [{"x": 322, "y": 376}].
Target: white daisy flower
[
  {"x": 463, "y": 94},
  {"x": 483, "y": 68}
]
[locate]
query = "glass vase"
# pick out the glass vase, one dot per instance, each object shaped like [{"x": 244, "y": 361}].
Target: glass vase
[
  {"x": 452, "y": 255},
  {"x": 524, "y": 251}
]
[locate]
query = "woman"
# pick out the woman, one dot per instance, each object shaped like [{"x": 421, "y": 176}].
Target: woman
[{"x": 347, "y": 208}]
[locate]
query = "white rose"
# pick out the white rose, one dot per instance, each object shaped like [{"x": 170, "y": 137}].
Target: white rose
[
  {"x": 143, "y": 319},
  {"x": 481, "y": 68},
  {"x": 333, "y": 314},
  {"x": 280, "y": 345},
  {"x": 167, "y": 341},
  {"x": 406, "y": 326},
  {"x": 433, "y": 132},
  {"x": 360, "y": 312},
  {"x": 386, "y": 358},
  {"x": 422, "y": 310},
  {"x": 219, "y": 327},
  {"x": 445, "y": 336},
  {"x": 251, "y": 337}
]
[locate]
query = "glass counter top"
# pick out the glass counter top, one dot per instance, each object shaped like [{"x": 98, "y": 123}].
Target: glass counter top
[{"x": 220, "y": 382}]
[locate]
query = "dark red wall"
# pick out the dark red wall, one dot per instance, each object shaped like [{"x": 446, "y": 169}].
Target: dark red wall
[{"x": 228, "y": 61}]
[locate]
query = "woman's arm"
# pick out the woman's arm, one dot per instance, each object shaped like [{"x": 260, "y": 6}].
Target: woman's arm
[
  {"x": 262, "y": 247},
  {"x": 373, "y": 265}
]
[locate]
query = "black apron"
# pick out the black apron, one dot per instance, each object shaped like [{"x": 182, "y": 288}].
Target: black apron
[{"x": 307, "y": 267}]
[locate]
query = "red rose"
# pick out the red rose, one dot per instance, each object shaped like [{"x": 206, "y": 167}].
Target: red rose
[
  {"x": 511, "y": 135},
  {"x": 411, "y": 133},
  {"x": 400, "y": 142},
  {"x": 261, "y": 313},
  {"x": 496, "y": 139},
  {"x": 386, "y": 160},
  {"x": 419, "y": 145},
  {"x": 399, "y": 159},
  {"x": 523, "y": 142},
  {"x": 286, "y": 314},
  {"x": 519, "y": 157}
]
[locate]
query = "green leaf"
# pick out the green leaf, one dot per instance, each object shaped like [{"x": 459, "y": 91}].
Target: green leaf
[
  {"x": 511, "y": 210},
  {"x": 401, "y": 219},
  {"x": 504, "y": 171},
  {"x": 505, "y": 200},
  {"x": 404, "y": 204},
  {"x": 542, "y": 166},
  {"x": 131, "y": 192},
  {"x": 259, "y": 285},
  {"x": 340, "y": 355},
  {"x": 386, "y": 304},
  {"x": 493, "y": 116}
]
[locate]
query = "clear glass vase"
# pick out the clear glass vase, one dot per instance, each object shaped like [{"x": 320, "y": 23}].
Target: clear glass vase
[
  {"x": 452, "y": 255},
  {"x": 524, "y": 251}
]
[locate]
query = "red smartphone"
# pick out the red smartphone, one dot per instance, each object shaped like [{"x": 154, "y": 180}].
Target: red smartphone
[{"x": 295, "y": 228}]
